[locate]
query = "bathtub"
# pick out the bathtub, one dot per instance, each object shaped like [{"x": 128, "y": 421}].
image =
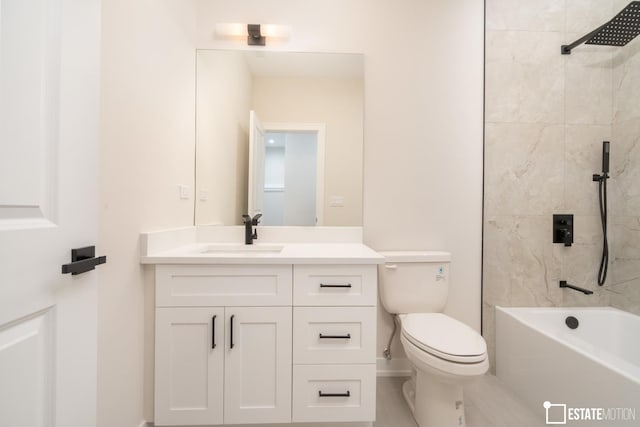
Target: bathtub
[{"x": 596, "y": 365}]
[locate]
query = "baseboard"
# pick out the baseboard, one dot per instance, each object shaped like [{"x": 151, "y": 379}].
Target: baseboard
[
  {"x": 397, "y": 367},
  {"x": 145, "y": 424}
]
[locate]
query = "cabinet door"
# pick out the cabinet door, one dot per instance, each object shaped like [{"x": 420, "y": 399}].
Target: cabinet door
[
  {"x": 258, "y": 365},
  {"x": 189, "y": 366}
]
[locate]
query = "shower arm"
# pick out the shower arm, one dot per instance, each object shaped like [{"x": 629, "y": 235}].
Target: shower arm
[{"x": 565, "y": 49}]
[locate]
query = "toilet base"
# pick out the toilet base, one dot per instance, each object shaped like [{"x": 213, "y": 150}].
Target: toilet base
[
  {"x": 433, "y": 403},
  {"x": 409, "y": 393}
]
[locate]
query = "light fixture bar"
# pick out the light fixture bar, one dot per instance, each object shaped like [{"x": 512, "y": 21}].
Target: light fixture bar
[{"x": 256, "y": 34}]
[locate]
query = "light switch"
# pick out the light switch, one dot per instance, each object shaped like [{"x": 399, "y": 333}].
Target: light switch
[
  {"x": 185, "y": 191},
  {"x": 336, "y": 201}
]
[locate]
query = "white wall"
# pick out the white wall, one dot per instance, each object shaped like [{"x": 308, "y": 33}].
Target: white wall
[
  {"x": 423, "y": 117},
  {"x": 147, "y": 149}
]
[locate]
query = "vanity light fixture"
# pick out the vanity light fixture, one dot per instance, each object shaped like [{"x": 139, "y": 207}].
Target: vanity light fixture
[{"x": 256, "y": 34}]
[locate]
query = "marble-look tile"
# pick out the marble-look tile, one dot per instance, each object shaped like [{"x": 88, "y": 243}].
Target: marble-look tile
[
  {"x": 523, "y": 168},
  {"x": 391, "y": 408},
  {"x": 582, "y": 159},
  {"x": 489, "y": 333},
  {"x": 540, "y": 15},
  {"x": 624, "y": 250},
  {"x": 488, "y": 403},
  {"x": 530, "y": 264},
  {"x": 533, "y": 168},
  {"x": 626, "y": 296},
  {"x": 618, "y": 5},
  {"x": 626, "y": 82},
  {"x": 584, "y": 16},
  {"x": 624, "y": 185},
  {"x": 524, "y": 77},
  {"x": 496, "y": 280},
  {"x": 498, "y": 405},
  {"x": 589, "y": 86}
]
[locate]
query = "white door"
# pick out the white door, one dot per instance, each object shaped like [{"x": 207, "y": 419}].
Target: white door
[
  {"x": 49, "y": 97},
  {"x": 256, "y": 164},
  {"x": 257, "y": 386},
  {"x": 189, "y": 366}
]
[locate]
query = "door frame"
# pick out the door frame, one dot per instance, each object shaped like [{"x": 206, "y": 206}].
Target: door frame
[{"x": 319, "y": 129}]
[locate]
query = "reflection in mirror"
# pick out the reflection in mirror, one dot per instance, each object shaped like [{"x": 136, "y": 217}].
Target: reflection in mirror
[
  {"x": 286, "y": 172},
  {"x": 297, "y": 158}
]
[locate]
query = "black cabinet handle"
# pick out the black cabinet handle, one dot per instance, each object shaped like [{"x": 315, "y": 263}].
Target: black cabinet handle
[
  {"x": 213, "y": 332},
  {"x": 231, "y": 331},
  {"x": 336, "y": 337},
  {"x": 335, "y": 285},
  {"x": 83, "y": 260},
  {"x": 321, "y": 394}
]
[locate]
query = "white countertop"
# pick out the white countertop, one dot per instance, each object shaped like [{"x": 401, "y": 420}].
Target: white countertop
[{"x": 291, "y": 253}]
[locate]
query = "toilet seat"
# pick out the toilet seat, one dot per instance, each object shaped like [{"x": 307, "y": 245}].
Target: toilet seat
[{"x": 444, "y": 337}]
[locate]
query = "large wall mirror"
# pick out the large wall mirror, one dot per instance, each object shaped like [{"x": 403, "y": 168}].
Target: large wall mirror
[{"x": 279, "y": 133}]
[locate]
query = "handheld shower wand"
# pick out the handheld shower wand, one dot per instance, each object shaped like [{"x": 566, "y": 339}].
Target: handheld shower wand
[
  {"x": 605, "y": 157},
  {"x": 602, "y": 195}
]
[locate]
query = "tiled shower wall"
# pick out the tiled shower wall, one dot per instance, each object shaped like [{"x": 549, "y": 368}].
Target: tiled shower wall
[{"x": 546, "y": 117}]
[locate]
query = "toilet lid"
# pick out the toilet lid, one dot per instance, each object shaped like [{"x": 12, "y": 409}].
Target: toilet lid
[{"x": 444, "y": 337}]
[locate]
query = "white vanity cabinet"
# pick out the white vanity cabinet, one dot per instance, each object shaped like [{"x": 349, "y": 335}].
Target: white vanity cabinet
[
  {"x": 242, "y": 344},
  {"x": 217, "y": 362}
]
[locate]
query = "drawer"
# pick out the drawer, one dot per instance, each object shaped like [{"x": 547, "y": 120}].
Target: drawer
[
  {"x": 334, "y": 335},
  {"x": 335, "y": 285},
  {"x": 333, "y": 393},
  {"x": 220, "y": 285}
]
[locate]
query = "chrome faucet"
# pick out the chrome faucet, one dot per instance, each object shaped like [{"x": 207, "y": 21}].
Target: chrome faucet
[{"x": 249, "y": 233}]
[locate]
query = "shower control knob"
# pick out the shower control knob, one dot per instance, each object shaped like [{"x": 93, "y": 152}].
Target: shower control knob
[{"x": 563, "y": 229}]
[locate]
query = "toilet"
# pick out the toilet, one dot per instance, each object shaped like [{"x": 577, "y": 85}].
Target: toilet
[{"x": 444, "y": 352}]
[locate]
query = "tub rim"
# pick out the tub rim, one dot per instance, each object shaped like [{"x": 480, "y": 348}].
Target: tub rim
[{"x": 632, "y": 374}]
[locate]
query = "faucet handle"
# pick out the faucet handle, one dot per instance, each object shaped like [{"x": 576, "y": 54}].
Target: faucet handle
[
  {"x": 246, "y": 218},
  {"x": 256, "y": 219}
]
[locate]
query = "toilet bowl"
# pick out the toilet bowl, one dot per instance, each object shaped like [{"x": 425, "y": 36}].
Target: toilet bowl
[
  {"x": 444, "y": 352},
  {"x": 442, "y": 363},
  {"x": 440, "y": 343}
]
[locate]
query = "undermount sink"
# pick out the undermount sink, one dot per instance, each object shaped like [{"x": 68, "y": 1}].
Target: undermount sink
[{"x": 234, "y": 249}]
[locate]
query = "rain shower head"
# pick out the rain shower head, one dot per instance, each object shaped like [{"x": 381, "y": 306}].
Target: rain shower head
[{"x": 619, "y": 31}]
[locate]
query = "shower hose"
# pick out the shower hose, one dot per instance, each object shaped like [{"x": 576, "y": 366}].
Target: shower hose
[{"x": 604, "y": 262}]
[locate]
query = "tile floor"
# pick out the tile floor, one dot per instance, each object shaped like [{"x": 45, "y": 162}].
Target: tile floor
[{"x": 488, "y": 404}]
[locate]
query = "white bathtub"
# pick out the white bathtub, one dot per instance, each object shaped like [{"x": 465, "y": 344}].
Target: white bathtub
[{"x": 596, "y": 365}]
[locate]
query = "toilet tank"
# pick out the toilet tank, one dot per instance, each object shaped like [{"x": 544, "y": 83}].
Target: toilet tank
[{"x": 414, "y": 281}]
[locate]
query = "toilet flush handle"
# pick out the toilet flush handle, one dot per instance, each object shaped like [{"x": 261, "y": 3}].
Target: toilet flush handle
[{"x": 391, "y": 266}]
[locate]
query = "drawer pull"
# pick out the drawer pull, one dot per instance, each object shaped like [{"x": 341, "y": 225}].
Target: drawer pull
[
  {"x": 335, "y": 337},
  {"x": 335, "y": 285},
  {"x": 213, "y": 332},
  {"x": 231, "y": 332},
  {"x": 321, "y": 394}
]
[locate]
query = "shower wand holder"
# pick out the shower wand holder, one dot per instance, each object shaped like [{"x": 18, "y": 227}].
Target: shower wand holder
[{"x": 563, "y": 229}]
